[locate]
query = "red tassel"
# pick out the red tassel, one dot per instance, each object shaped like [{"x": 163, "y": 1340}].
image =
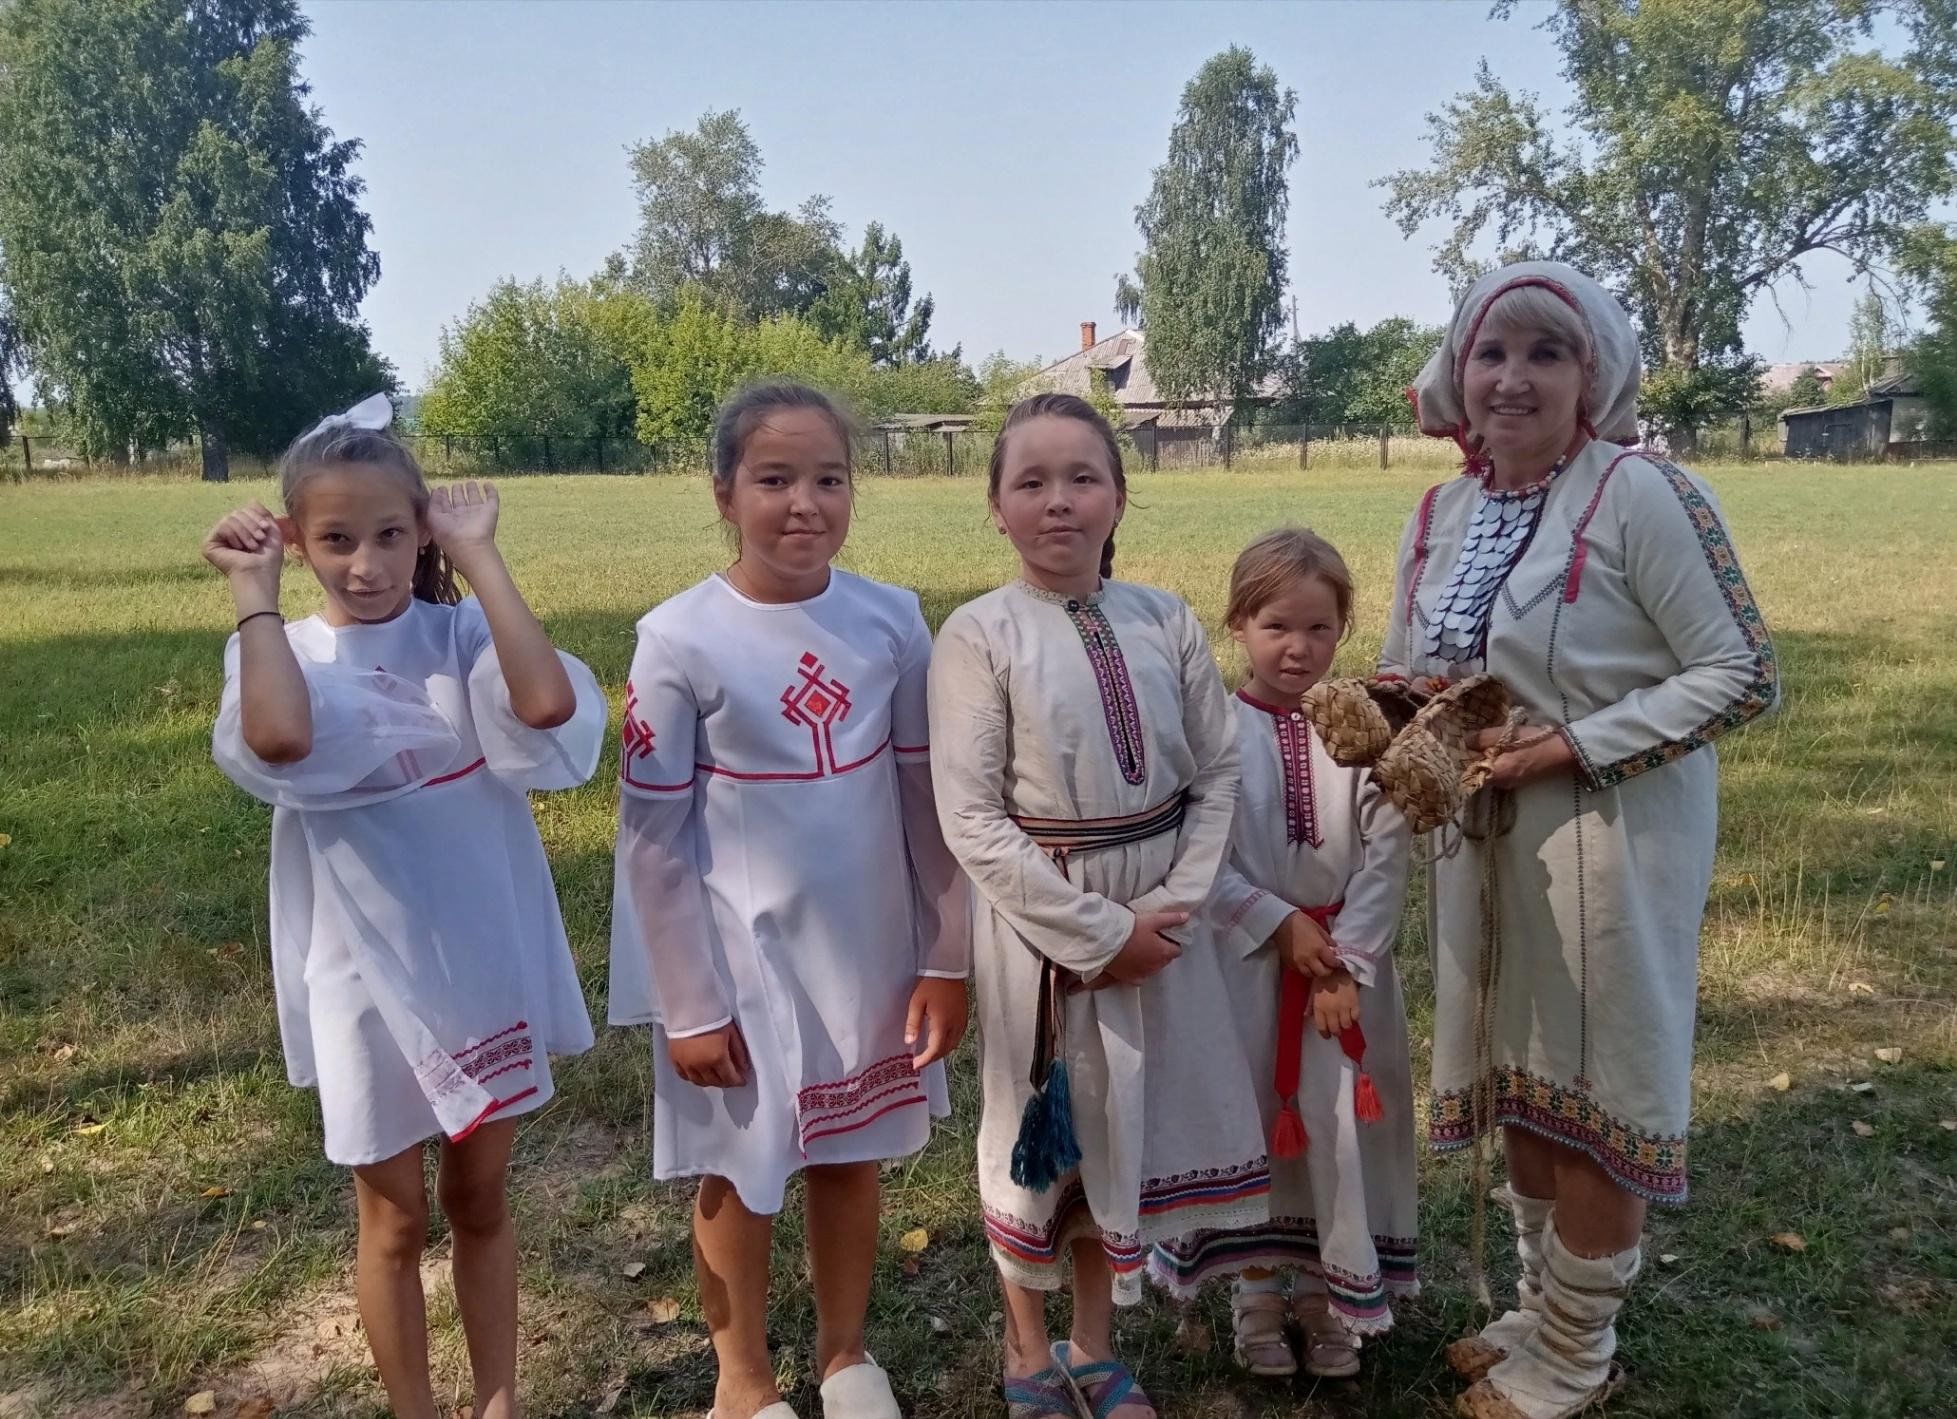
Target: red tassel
[
  {"x": 1365, "y": 1100},
  {"x": 1288, "y": 1138}
]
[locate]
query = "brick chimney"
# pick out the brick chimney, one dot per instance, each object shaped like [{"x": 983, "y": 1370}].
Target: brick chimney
[{"x": 1086, "y": 334}]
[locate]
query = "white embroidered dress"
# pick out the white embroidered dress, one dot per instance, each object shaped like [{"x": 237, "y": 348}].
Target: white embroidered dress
[
  {"x": 779, "y": 865},
  {"x": 1310, "y": 834},
  {"x": 1627, "y": 621},
  {"x": 419, "y": 960},
  {"x": 1099, "y": 708}
]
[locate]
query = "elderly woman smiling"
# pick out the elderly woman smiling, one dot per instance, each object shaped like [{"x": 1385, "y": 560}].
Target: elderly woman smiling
[{"x": 1601, "y": 587}]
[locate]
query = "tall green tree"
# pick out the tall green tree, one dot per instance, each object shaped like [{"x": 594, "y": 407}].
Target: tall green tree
[
  {"x": 12, "y": 366},
  {"x": 1353, "y": 376},
  {"x": 1209, "y": 283},
  {"x": 868, "y": 304},
  {"x": 1707, "y": 147},
  {"x": 537, "y": 359},
  {"x": 1931, "y": 265},
  {"x": 1871, "y": 345},
  {"x": 178, "y": 225},
  {"x": 702, "y": 224}
]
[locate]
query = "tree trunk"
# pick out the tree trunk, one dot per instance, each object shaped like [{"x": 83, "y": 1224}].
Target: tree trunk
[{"x": 217, "y": 457}]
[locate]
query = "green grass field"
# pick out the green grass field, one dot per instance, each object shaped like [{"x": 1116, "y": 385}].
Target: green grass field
[{"x": 168, "y": 1224}]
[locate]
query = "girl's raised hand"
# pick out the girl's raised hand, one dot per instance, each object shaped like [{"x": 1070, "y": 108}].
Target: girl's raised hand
[
  {"x": 462, "y": 516},
  {"x": 246, "y": 542}
]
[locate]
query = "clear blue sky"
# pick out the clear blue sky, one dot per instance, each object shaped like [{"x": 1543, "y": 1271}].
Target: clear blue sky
[{"x": 1006, "y": 143}]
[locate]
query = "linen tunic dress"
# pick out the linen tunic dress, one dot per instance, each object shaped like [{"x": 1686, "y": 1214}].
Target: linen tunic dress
[
  {"x": 1627, "y": 621},
  {"x": 1310, "y": 833},
  {"x": 1100, "y": 707},
  {"x": 420, "y": 964},
  {"x": 779, "y": 865}
]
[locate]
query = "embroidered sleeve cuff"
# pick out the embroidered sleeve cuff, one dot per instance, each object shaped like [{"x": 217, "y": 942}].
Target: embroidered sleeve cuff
[
  {"x": 1257, "y": 917},
  {"x": 688, "y": 1034},
  {"x": 1361, "y": 967}
]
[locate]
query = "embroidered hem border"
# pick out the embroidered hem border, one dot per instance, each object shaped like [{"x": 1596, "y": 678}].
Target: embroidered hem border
[
  {"x": 1647, "y": 1164},
  {"x": 1182, "y": 1266},
  {"x": 1203, "y": 1199},
  {"x": 845, "y": 1105}
]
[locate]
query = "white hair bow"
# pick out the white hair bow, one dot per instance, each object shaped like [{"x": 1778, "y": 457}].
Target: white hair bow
[{"x": 374, "y": 412}]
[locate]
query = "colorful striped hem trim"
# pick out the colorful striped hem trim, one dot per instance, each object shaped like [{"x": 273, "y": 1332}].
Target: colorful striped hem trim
[{"x": 1651, "y": 1166}]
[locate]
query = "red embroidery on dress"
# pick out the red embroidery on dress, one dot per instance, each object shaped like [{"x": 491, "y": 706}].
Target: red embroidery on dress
[
  {"x": 508, "y": 1050},
  {"x": 634, "y": 734},
  {"x": 819, "y": 705},
  {"x": 1300, "y": 796},
  {"x": 846, "y": 1105}
]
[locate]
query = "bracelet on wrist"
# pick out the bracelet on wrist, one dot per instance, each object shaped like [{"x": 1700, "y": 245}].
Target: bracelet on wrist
[{"x": 254, "y": 615}]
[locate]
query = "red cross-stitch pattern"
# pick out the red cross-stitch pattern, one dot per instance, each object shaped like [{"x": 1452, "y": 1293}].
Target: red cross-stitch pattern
[{"x": 635, "y": 735}]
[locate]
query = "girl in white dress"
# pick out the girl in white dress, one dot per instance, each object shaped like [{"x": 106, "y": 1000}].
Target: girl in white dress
[
  {"x": 422, "y": 973},
  {"x": 786, "y": 915},
  {"x": 1086, "y": 771},
  {"x": 1308, "y": 907}
]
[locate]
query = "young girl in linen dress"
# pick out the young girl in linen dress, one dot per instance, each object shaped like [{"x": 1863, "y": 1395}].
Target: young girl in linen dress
[
  {"x": 1086, "y": 771},
  {"x": 1313, "y": 843},
  {"x": 422, "y": 973},
  {"x": 786, "y": 914}
]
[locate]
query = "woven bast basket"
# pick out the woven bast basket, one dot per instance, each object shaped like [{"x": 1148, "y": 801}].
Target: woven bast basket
[
  {"x": 1428, "y": 771},
  {"x": 1351, "y": 724}
]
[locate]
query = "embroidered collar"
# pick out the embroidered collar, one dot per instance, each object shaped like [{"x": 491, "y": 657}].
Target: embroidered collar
[{"x": 1040, "y": 593}]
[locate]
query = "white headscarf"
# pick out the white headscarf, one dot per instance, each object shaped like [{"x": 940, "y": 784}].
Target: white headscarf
[{"x": 1610, "y": 404}]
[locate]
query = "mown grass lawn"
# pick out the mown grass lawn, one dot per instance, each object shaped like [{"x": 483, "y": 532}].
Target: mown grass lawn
[{"x": 168, "y": 1224}]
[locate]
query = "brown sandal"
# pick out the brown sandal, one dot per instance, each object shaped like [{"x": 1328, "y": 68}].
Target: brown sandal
[
  {"x": 1331, "y": 1351},
  {"x": 1483, "y": 1400},
  {"x": 1257, "y": 1333}
]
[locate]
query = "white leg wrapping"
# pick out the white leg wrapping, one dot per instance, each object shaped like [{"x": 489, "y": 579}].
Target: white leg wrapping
[
  {"x": 1564, "y": 1363},
  {"x": 1531, "y": 1216}
]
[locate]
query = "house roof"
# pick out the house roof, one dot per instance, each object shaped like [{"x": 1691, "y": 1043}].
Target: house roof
[
  {"x": 1894, "y": 386},
  {"x": 1074, "y": 374}
]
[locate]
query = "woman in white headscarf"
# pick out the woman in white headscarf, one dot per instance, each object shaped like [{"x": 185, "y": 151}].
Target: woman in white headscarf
[{"x": 1599, "y": 584}]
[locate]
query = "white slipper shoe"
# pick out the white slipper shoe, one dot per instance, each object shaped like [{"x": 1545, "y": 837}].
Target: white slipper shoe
[
  {"x": 778, "y": 1410},
  {"x": 858, "y": 1392}
]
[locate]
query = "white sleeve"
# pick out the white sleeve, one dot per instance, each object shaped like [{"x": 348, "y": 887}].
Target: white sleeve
[
  {"x": 522, "y": 756},
  {"x": 1396, "y": 651},
  {"x": 1210, "y": 726},
  {"x": 970, "y": 746},
  {"x": 939, "y": 887},
  {"x": 1245, "y": 912},
  {"x": 375, "y": 737},
  {"x": 1365, "y": 927},
  {"x": 1686, "y": 578},
  {"x": 662, "y": 956}
]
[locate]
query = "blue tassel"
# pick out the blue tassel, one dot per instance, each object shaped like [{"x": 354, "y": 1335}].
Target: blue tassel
[{"x": 1047, "y": 1149}]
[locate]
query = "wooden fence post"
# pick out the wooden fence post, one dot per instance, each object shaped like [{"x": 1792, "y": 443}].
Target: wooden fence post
[
  {"x": 886, "y": 451},
  {"x": 1746, "y": 434},
  {"x": 1384, "y": 460},
  {"x": 1155, "y": 450},
  {"x": 1304, "y": 448},
  {"x": 951, "y": 454},
  {"x": 1228, "y": 446},
  {"x": 26, "y": 455}
]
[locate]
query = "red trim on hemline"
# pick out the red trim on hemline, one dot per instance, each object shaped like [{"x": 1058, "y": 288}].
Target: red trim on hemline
[
  {"x": 483, "y": 1117},
  {"x": 917, "y": 1098}
]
